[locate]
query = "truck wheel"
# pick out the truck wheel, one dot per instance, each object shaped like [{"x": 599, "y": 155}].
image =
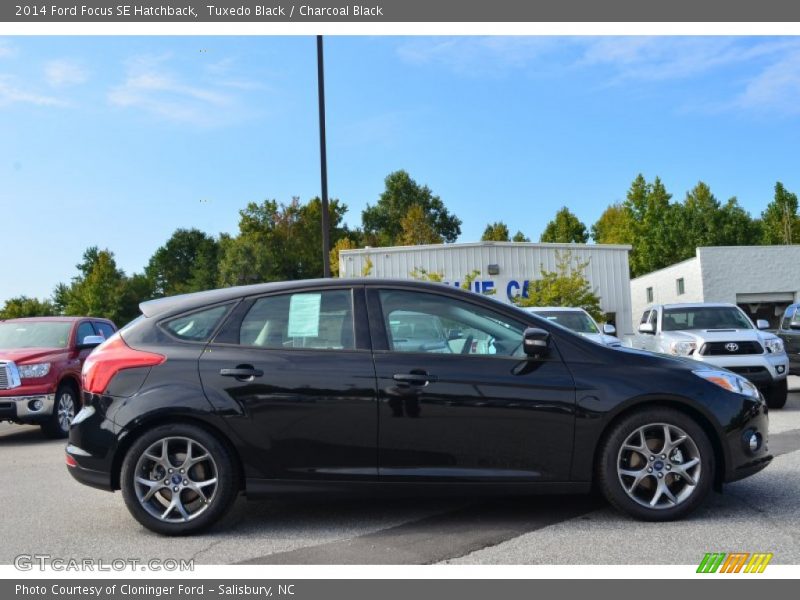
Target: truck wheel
[
  {"x": 64, "y": 409},
  {"x": 178, "y": 479},
  {"x": 776, "y": 394},
  {"x": 656, "y": 465}
]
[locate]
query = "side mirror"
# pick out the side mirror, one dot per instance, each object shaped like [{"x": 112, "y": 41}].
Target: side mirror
[
  {"x": 609, "y": 329},
  {"x": 91, "y": 341},
  {"x": 646, "y": 328},
  {"x": 762, "y": 324},
  {"x": 535, "y": 342}
]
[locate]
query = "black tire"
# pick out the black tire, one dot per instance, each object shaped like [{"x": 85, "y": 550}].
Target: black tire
[
  {"x": 221, "y": 495},
  {"x": 612, "y": 455},
  {"x": 776, "y": 394},
  {"x": 65, "y": 407}
]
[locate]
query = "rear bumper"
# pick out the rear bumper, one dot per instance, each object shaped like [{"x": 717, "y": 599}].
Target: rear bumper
[
  {"x": 90, "y": 452},
  {"x": 90, "y": 477},
  {"x": 23, "y": 408}
]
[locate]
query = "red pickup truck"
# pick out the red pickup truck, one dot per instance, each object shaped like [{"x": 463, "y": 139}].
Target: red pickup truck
[{"x": 40, "y": 368}]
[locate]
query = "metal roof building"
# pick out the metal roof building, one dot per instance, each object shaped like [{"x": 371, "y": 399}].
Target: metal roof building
[
  {"x": 505, "y": 268},
  {"x": 762, "y": 280}
]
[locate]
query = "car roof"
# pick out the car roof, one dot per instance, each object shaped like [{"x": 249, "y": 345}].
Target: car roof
[
  {"x": 560, "y": 308},
  {"x": 701, "y": 305},
  {"x": 54, "y": 319},
  {"x": 184, "y": 302}
]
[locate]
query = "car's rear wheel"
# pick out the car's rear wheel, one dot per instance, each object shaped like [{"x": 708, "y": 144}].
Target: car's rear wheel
[
  {"x": 178, "y": 479},
  {"x": 656, "y": 465},
  {"x": 777, "y": 394},
  {"x": 64, "y": 409}
]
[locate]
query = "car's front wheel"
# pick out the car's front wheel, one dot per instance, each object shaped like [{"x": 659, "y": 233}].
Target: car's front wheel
[
  {"x": 178, "y": 479},
  {"x": 656, "y": 465}
]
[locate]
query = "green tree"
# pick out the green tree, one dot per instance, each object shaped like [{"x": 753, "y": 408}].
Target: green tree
[
  {"x": 781, "y": 223},
  {"x": 705, "y": 222},
  {"x": 344, "y": 243},
  {"x": 495, "y": 232},
  {"x": 383, "y": 220},
  {"x": 186, "y": 263},
  {"x": 23, "y": 306},
  {"x": 566, "y": 286},
  {"x": 520, "y": 237},
  {"x": 278, "y": 242},
  {"x": 565, "y": 228},
  {"x": 613, "y": 226},
  {"x": 416, "y": 228},
  {"x": 655, "y": 227},
  {"x": 100, "y": 288}
]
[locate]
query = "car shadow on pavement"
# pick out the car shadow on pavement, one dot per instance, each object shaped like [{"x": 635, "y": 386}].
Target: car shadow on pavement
[{"x": 24, "y": 435}]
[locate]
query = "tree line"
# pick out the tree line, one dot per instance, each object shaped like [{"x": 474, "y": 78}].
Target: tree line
[{"x": 281, "y": 241}]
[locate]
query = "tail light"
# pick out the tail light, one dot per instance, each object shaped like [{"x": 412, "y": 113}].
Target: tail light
[{"x": 110, "y": 358}]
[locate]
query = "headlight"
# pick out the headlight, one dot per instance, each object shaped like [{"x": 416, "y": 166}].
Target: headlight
[
  {"x": 774, "y": 345},
  {"x": 730, "y": 381},
  {"x": 33, "y": 371},
  {"x": 682, "y": 348}
]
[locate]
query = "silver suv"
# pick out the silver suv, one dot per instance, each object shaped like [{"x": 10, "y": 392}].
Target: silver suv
[{"x": 721, "y": 335}]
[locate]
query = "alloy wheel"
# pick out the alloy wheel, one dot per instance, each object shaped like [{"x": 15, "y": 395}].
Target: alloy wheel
[
  {"x": 659, "y": 466},
  {"x": 176, "y": 479},
  {"x": 65, "y": 410}
]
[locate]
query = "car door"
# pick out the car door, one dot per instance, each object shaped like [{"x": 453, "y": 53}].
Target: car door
[
  {"x": 292, "y": 373},
  {"x": 472, "y": 409},
  {"x": 791, "y": 337}
]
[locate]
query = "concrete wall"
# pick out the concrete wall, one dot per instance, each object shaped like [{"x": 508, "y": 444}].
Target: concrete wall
[
  {"x": 518, "y": 263},
  {"x": 729, "y": 272}
]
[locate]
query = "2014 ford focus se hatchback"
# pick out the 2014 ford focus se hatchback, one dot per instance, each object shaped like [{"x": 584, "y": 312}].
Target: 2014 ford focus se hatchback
[{"x": 373, "y": 384}]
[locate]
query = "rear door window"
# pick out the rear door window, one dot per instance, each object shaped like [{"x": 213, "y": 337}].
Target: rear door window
[{"x": 319, "y": 320}]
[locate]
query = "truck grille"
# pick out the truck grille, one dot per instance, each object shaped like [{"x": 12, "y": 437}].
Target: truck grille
[
  {"x": 9, "y": 375},
  {"x": 730, "y": 348},
  {"x": 749, "y": 371}
]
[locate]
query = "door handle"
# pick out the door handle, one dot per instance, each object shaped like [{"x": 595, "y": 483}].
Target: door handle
[
  {"x": 242, "y": 372},
  {"x": 414, "y": 378}
]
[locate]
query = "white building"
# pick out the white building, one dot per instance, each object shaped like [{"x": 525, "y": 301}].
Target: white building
[
  {"x": 762, "y": 280},
  {"x": 505, "y": 268}
]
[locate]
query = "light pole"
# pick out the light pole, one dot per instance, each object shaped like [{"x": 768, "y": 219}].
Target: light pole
[{"x": 323, "y": 163}]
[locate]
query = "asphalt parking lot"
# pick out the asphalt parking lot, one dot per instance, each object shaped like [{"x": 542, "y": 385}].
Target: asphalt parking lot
[{"x": 46, "y": 512}]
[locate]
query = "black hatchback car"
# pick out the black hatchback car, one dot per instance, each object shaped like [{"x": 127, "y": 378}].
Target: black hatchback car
[{"x": 302, "y": 386}]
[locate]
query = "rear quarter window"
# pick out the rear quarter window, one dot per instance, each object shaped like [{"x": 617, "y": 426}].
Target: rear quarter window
[{"x": 197, "y": 326}]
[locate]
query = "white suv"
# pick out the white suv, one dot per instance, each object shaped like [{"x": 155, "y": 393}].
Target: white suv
[{"x": 722, "y": 335}]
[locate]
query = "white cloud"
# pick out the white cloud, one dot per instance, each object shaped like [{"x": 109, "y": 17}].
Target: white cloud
[
  {"x": 775, "y": 90},
  {"x": 150, "y": 87},
  {"x": 64, "y": 72},
  {"x": 12, "y": 93},
  {"x": 6, "y": 49},
  {"x": 764, "y": 71},
  {"x": 476, "y": 55}
]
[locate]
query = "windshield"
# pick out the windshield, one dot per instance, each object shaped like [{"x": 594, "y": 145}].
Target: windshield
[
  {"x": 571, "y": 319},
  {"x": 33, "y": 334},
  {"x": 706, "y": 317}
]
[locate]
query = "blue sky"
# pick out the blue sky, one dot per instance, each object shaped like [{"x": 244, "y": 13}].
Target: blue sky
[{"x": 118, "y": 141}]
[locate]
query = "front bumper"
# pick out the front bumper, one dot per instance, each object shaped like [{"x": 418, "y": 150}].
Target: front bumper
[
  {"x": 24, "y": 408},
  {"x": 741, "y": 461},
  {"x": 761, "y": 369}
]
